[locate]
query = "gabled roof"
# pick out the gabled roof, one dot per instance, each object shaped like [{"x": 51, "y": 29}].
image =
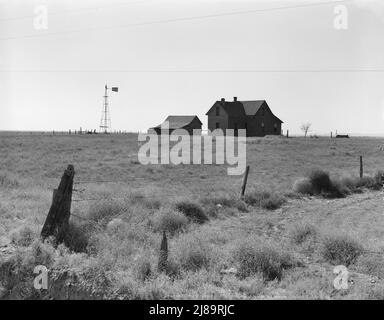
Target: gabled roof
[
  {"x": 242, "y": 108},
  {"x": 251, "y": 107},
  {"x": 178, "y": 122},
  {"x": 232, "y": 108}
]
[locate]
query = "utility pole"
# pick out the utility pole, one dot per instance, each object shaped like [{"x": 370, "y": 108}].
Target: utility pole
[{"x": 105, "y": 124}]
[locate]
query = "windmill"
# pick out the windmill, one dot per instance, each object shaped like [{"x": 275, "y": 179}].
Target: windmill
[{"x": 105, "y": 124}]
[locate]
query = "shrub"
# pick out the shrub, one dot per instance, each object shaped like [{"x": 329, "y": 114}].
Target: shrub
[
  {"x": 192, "y": 254},
  {"x": 341, "y": 250},
  {"x": 192, "y": 211},
  {"x": 303, "y": 186},
  {"x": 320, "y": 181},
  {"x": 169, "y": 221},
  {"x": 105, "y": 210},
  {"x": 273, "y": 202},
  {"x": 302, "y": 232},
  {"x": 265, "y": 260},
  {"x": 264, "y": 199}
]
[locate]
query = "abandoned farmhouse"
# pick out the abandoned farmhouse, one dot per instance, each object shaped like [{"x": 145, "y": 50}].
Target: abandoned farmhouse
[{"x": 254, "y": 116}]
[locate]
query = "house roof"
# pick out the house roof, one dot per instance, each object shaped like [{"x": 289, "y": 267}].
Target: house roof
[
  {"x": 232, "y": 108},
  {"x": 177, "y": 122},
  {"x": 251, "y": 107}
]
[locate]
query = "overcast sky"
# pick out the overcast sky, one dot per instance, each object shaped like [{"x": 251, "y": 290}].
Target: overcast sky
[{"x": 179, "y": 57}]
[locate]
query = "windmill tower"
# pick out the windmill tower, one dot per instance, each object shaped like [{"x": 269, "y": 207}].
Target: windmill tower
[{"x": 105, "y": 123}]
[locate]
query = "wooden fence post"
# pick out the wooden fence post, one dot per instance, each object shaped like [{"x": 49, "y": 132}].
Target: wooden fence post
[
  {"x": 56, "y": 223},
  {"x": 245, "y": 179},
  {"x": 361, "y": 166},
  {"x": 287, "y": 133}
]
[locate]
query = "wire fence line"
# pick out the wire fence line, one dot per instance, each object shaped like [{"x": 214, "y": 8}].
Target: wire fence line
[{"x": 152, "y": 179}]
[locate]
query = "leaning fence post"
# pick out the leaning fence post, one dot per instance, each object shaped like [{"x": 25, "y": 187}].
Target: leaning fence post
[
  {"x": 56, "y": 223},
  {"x": 361, "y": 166},
  {"x": 245, "y": 179}
]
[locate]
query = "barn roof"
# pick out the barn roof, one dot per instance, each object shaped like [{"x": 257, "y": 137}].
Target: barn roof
[{"x": 177, "y": 122}]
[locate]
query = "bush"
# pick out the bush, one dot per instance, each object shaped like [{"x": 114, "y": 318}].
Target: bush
[
  {"x": 273, "y": 202},
  {"x": 302, "y": 232},
  {"x": 105, "y": 210},
  {"x": 169, "y": 221},
  {"x": 322, "y": 184},
  {"x": 192, "y": 211},
  {"x": 303, "y": 186},
  {"x": 192, "y": 254},
  {"x": 319, "y": 183},
  {"x": 341, "y": 250},
  {"x": 265, "y": 260},
  {"x": 264, "y": 199}
]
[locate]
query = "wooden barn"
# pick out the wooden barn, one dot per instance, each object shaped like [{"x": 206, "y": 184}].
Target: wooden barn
[
  {"x": 254, "y": 116},
  {"x": 188, "y": 123}
]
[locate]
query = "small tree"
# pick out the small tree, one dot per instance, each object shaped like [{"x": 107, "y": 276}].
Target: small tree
[{"x": 305, "y": 128}]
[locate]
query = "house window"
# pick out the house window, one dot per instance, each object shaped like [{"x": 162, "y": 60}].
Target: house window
[
  {"x": 217, "y": 111},
  {"x": 262, "y": 112},
  {"x": 217, "y": 125},
  {"x": 262, "y": 124}
]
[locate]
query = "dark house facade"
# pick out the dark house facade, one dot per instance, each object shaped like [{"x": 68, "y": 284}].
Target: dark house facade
[
  {"x": 254, "y": 116},
  {"x": 175, "y": 123}
]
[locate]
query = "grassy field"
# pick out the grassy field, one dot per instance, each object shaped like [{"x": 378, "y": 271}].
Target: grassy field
[{"x": 274, "y": 244}]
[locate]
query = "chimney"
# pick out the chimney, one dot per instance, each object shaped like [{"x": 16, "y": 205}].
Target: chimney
[
  {"x": 234, "y": 99},
  {"x": 222, "y": 99}
]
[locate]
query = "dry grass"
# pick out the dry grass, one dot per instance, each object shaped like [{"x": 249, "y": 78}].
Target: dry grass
[{"x": 114, "y": 255}]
